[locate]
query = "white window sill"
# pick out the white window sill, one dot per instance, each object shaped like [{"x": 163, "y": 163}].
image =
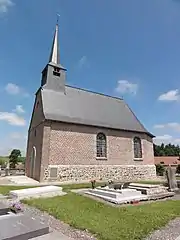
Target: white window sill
[
  {"x": 138, "y": 159},
  {"x": 101, "y": 158}
]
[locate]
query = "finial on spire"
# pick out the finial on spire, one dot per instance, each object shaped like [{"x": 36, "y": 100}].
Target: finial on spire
[{"x": 55, "y": 55}]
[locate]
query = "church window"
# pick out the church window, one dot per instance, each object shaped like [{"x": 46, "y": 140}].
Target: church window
[
  {"x": 101, "y": 145},
  {"x": 137, "y": 147},
  {"x": 56, "y": 71}
]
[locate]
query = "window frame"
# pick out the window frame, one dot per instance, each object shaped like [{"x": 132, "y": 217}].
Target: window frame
[
  {"x": 136, "y": 158},
  {"x": 100, "y": 145}
]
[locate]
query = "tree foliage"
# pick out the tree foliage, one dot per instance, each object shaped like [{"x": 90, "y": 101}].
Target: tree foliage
[
  {"x": 160, "y": 169},
  {"x": 13, "y": 157},
  {"x": 178, "y": 169},
  {"x": 166, "y": 150}
]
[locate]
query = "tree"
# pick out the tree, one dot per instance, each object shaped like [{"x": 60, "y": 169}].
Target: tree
[
  {"x": 160, "y": 169},
  {"x": 13, "y": 157},
  {"x": 178, "y": 169},
  {"x": 166, "y": 150}
]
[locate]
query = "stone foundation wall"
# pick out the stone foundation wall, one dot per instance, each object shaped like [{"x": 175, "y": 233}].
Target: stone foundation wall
[{"x": 104, "y": 172}]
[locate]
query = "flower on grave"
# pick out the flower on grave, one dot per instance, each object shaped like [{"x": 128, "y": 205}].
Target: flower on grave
[
  {"x": 93, "y": 182},
  {"x": 110, "y": 181},
  {"x": 135, "y": 202},
  {"x": 16, "y": 207}
]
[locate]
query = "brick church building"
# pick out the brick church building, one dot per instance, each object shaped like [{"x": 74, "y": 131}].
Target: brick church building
[{"x": 75, "y": 134}]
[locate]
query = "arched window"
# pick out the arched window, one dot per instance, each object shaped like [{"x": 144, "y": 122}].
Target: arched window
[
  {"x": 137, "y": 148},
  {"x": 101, "y": 145}
]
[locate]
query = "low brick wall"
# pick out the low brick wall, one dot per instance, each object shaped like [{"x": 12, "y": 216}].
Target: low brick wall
[{"x": 99, "y": 172}]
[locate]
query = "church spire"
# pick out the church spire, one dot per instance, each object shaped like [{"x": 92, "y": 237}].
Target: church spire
[
  {"x": 54, "y": 74},
  {"x": 55, "y": 55}
]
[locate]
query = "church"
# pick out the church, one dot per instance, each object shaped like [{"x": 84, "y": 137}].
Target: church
[{"x": 79, "y": 135}]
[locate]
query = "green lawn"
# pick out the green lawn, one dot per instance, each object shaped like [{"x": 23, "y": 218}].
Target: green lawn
[
  {"x": 109, "y": 223},
  {"x": 5, "y": 189},
  {"x": 106, "y": 222}
]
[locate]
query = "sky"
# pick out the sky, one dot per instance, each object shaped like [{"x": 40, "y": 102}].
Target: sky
[{"x": 123, "y": 48}]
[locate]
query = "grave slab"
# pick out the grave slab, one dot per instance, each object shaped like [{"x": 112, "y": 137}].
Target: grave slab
[
  {"x": 117, "y": 197},
  {"x": 21, "y": 227},
  {"x": 149, "y": 189},
  {"x": 46, "y": 191},
  {"x": 4, "y": 209}
]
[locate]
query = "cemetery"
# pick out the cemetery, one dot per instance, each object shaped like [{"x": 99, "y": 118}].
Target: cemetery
[{"x": 110, "y": 210}]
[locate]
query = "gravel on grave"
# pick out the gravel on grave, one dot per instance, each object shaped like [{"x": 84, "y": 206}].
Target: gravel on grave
[{"x": 55, "y": 224}]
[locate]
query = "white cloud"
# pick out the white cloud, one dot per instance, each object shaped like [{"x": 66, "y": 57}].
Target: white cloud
[
  {"x": 82, "y": 62},
  {"x": 163, "y": 139},
  {"x": 4, "y": 5},
  {"x": 166, "y": 139},
  {"x": 124, "y": 86},
  {"x": 159, "y": 126},
  {"x": 12, "y": 119},
  {"x": 14, "y": 89},
  {"x": 19, "y": 109},
  {"x": 172, "y": 125},
  {"x": 172, "y": 95},
  {"x": 17, "y": 135}
]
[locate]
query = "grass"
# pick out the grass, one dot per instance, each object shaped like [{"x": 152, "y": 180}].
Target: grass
[
  {"x": 5, "y": 189},
  {"x": 107, "y": 222}
]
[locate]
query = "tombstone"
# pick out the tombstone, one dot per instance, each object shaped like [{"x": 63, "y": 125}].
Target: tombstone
[
  {"x": 171, "y": 178},
  {"x": 7, "y": 169},
  {"x": 126, "y": 185}
]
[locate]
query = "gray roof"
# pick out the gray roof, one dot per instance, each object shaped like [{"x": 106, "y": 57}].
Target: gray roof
[{"x": 84, "y": 107}]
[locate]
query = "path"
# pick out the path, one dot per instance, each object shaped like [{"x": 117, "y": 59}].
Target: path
[{"x": 171, "y": 231}]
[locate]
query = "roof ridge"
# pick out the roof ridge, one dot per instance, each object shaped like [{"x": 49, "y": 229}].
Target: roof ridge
[{"x": 97, "y": 93}]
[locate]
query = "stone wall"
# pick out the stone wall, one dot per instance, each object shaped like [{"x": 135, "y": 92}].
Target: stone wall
[{"x": 100, "y": 172}]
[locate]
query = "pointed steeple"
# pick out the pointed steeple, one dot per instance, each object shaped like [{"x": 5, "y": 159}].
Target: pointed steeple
[
  {"x": 54, "y": 74},
  {"x": 55, "y": 55}
]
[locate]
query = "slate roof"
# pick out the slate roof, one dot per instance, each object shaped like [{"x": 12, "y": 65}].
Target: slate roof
[{"x": 88, "y": 108}]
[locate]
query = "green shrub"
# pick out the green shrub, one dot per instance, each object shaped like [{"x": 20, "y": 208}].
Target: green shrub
[
  {"x": 178, "y": 169},
  {"x": 160, "y": 169},
  {"x": 3, "y": 161}
]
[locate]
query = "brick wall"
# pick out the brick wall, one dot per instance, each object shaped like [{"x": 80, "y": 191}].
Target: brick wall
[
  {"x": 72, "y": 149},
  {"x": 76, "y": 144}
]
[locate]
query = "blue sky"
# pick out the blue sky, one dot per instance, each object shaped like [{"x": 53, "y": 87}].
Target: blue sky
[{"x": 125, "y": 48}]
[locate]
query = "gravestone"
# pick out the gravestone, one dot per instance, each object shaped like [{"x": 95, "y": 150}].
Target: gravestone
[
  {"x": 4, "y": 209},
  {"x": 171, "y": 178},
  {"x": 21, "y": 226}
]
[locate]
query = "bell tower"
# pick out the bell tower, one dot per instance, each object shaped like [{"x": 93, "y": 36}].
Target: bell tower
[{"x": 54, "y": 74}]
